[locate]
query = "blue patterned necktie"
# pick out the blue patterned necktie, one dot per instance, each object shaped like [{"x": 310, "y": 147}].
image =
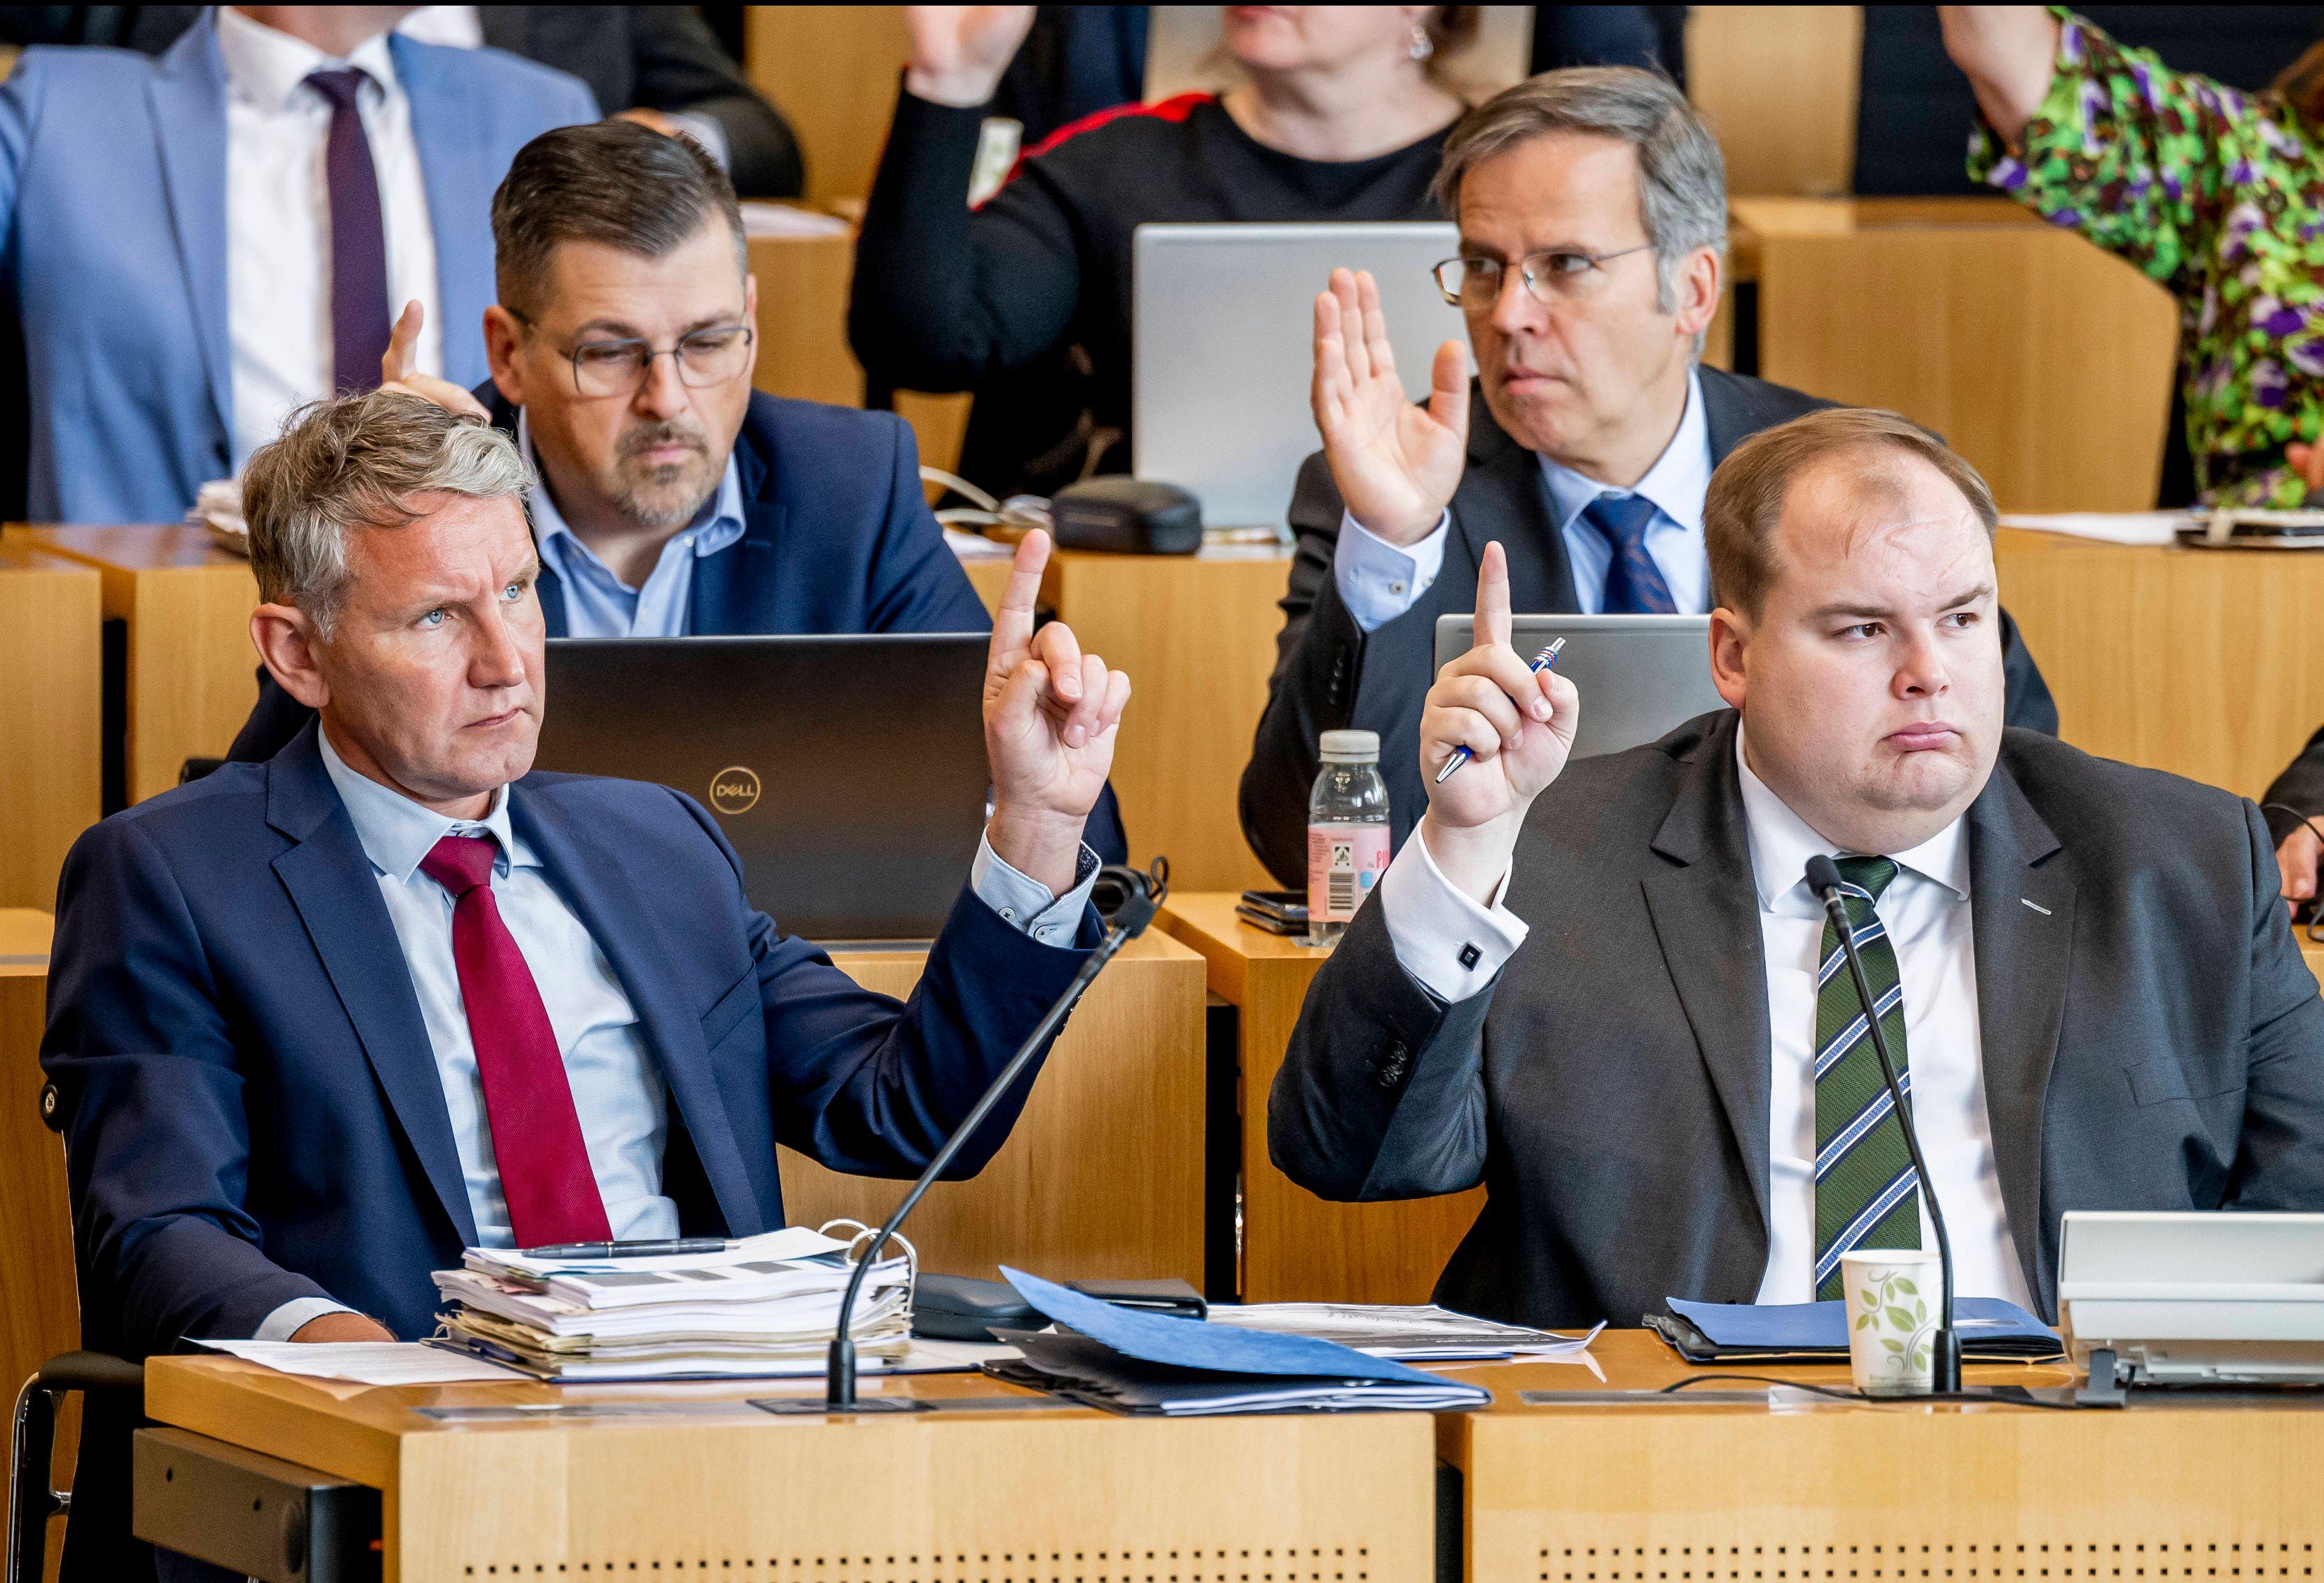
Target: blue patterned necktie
[{"x": 1633, "y": 584}]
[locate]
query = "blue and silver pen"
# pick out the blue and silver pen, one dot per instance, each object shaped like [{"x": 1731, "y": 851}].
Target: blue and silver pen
[{"x": 1541, "y": 662}]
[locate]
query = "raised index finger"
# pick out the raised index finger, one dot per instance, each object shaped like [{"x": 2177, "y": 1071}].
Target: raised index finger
[
  {"x": 1492, "y": 623},
  {"x": 402, "y": 345},
  {"x": 1012, "y": 622}
]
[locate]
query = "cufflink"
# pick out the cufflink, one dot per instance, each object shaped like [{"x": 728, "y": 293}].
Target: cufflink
[{"x": 1471, "y": 956}]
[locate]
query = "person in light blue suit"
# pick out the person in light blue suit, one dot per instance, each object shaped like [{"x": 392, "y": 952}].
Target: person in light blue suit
[{"x": 115, "y": 227}]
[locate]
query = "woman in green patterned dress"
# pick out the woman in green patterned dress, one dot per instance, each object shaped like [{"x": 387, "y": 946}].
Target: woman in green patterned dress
[
  {"x": 2215, "y": 193},
  {"x": 2219, "y": 195}
]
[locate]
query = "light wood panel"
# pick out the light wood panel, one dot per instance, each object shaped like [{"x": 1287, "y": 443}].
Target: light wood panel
[
  {"x": 802, "y": 327},
  {"x": 1197, "y": 634},
  {"x": 1778, "y": 85},
  {"x": 1296, "y": 1247},
  {"x": 192, "y": 673},
  {"x": 711, "y": 1484},
  {"x": 2045, "y": 362},
  {"x": 1103, "y": 1176},
  {"x": 50, "y": 742},
  {"x": 834, "y": 71},
  {"x": 39, "y": 1317},
  {"x": 1889, "y": 1494},
  {"x": 989, "y": 578},
  {"x": 2199, "y": 661}
]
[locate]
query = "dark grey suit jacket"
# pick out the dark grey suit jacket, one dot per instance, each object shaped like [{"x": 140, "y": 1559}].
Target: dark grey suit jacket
[
  {"x": 2152, "y": 1039},
  {"x": 1330, "y": 674}
]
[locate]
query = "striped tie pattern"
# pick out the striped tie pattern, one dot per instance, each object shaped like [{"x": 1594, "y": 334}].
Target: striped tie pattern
[{"x": 1866, "y": 1193}]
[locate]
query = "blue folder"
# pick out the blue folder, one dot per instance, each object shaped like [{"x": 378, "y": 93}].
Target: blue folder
[{"x": 1709, "y": 1333}]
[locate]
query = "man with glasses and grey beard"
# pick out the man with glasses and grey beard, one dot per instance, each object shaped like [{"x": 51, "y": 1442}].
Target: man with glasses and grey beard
[
  {"x": 674, "y": 499},
  {"x": 1592, "y": 207}
]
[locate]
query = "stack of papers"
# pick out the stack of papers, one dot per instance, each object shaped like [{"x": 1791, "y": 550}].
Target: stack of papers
[
  {"x": 1127, "y": 1360},
  {"x": 217, "y": 507},
  {"x": 1991, "y": 1331},
  {"x": 768, "y": 1305},
  {"x": 1416, "y": 1335}
]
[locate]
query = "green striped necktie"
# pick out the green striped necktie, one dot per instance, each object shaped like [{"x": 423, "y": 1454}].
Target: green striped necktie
[{"x": 1866, "y": 1193}]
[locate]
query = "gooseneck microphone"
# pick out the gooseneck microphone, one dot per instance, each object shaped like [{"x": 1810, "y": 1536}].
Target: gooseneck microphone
[
  {"x": 1141, "y": 896},
  {"x": 1825, "y": 881}
]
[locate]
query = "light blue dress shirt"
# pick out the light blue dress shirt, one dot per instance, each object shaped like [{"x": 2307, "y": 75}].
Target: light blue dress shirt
[
  {"x": 1378, "y": 582},
  {"x": 599, "y": 604},
  {"x": 618, "y": 1092}
]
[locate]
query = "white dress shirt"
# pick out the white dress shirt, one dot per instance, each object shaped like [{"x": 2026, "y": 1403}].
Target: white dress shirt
[
  {"x": 1378, "y": 582},
  {"x": 1926, "y": 911},
  {"x": 597, "y": 603},
  {"x": 618, "y": 1090},
  {"x": 278, "y": 205}
]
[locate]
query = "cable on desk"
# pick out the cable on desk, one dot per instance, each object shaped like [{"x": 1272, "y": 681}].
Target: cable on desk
[{"x": 1988, "y": 1395}]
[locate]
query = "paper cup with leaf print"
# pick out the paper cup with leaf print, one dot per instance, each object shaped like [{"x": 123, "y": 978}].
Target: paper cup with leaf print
[{"x": 1893, "y": 1302}]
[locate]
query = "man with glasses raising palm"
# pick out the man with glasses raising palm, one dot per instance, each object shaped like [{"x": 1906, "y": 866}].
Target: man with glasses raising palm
[
  {"x": 674, "y": 499},
  {"x": 1592, "y": 207}
]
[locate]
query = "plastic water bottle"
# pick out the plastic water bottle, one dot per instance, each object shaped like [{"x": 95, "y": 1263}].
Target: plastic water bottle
[{"x": 1347, "y": 833}]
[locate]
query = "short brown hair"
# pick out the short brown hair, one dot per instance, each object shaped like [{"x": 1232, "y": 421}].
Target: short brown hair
[
  {"x": 616, "y": 182},
  {"x": 358, "y": 462},
  {"x": 1746, "y": 498}
]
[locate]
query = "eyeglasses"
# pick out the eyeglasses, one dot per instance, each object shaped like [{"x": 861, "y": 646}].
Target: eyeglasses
[
  {"x": 1476, "y": 282},
  {"x": 706, "y": 357}
]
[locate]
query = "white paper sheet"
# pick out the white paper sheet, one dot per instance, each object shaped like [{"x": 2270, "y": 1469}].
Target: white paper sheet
[
  {"x": 2110, "y": 527},
  {"x": 369, "y": 1362}
]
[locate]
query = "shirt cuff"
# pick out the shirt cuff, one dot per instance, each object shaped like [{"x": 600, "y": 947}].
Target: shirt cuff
[
  {"x": 1028, "y": 905},
  {"x": 1379, "y": 581},
  {"x": 706, "y": 131},
  {"x": 1451, "y": 946},
  {"x": 285, "y": 1322}
]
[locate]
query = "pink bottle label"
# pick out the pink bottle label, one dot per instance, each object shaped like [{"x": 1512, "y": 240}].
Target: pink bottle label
[{"x": 1345, "y": 862}]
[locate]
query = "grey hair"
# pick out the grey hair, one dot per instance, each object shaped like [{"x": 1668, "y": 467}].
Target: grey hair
[
  {"x": 360, "y": 462},
  {"x": 1682, "y": 175}
]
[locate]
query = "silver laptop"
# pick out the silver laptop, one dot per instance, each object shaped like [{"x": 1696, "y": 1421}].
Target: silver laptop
[
  {"x": 1223, "y": 322},
  {"x": 2185, "y": 1298},
  {"x": 1640, "y": 676}
]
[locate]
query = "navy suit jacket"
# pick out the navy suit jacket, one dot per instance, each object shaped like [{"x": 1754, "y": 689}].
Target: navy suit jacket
[
  {"x": 251, "y": 1110},
  {"x": 112, "y": 247},
  {"x": 836, "y": 538}
]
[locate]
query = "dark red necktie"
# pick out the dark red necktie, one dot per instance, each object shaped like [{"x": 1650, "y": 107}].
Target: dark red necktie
[
  {"x": 545, "y": 1175},
  {"x": 359, "y": 306}
]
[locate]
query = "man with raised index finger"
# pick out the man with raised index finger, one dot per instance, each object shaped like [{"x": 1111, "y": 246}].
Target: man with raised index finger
[
  {"x": 1592, "y": 207},
  {"x": 1604, "y": 991},
  {"x": 316, "y": 1025}
]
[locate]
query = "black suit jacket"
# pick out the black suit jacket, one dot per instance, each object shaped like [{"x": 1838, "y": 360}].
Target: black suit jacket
[
  {"x": 1330, "y": 675},
  {"x": 632, "y": 57},
  {"x": 2152, "y": 1039}
]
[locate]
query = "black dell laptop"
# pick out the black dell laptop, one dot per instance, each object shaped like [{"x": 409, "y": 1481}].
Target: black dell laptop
[{"x": 848, "y": 771}]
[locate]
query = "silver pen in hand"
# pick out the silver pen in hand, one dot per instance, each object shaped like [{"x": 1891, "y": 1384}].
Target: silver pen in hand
[{"x": 1461, "y": 755}]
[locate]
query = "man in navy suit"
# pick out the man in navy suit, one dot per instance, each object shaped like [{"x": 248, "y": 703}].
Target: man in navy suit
[
  {"x": 318, "y": 1023},
  {"x": 197, "y": 244},
  {"x": 673, "y": 498}
]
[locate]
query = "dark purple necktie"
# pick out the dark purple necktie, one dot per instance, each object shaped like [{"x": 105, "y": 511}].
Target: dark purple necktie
[
  {"x": 1633, "y": 584},
  {"x": 359, "y": 306}
]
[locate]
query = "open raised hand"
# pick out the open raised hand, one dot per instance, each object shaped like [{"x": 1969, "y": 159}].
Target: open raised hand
[
  {"x": 959, "y": 52},
  {"x": 1396, "y": 465}
]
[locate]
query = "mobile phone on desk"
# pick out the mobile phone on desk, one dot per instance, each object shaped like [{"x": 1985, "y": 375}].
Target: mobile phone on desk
[{"x": 1279, "y": 912}]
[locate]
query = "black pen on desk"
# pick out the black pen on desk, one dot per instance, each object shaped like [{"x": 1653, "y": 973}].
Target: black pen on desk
[
  {"x": 666, "y": 1247},
  {"x": 1461, "y": 755}
]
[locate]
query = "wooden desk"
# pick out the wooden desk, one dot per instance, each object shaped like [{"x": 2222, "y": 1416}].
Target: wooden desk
[
  {"x": 1102, "y": 1177},
  {"x": 192, "y": 675},
  {"x": 1895, "y": 1493},
  {"x": 1196, "y": 633},
  {"x": 38, "y": 1315},
  {"x": 1296, "y": 1247},
  {"x": 51, "y": 742},
  {"x": 717, "y": 1487},
  {"x": 2199, "y": 661},
  {"x": 2043, "y": 360}
]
